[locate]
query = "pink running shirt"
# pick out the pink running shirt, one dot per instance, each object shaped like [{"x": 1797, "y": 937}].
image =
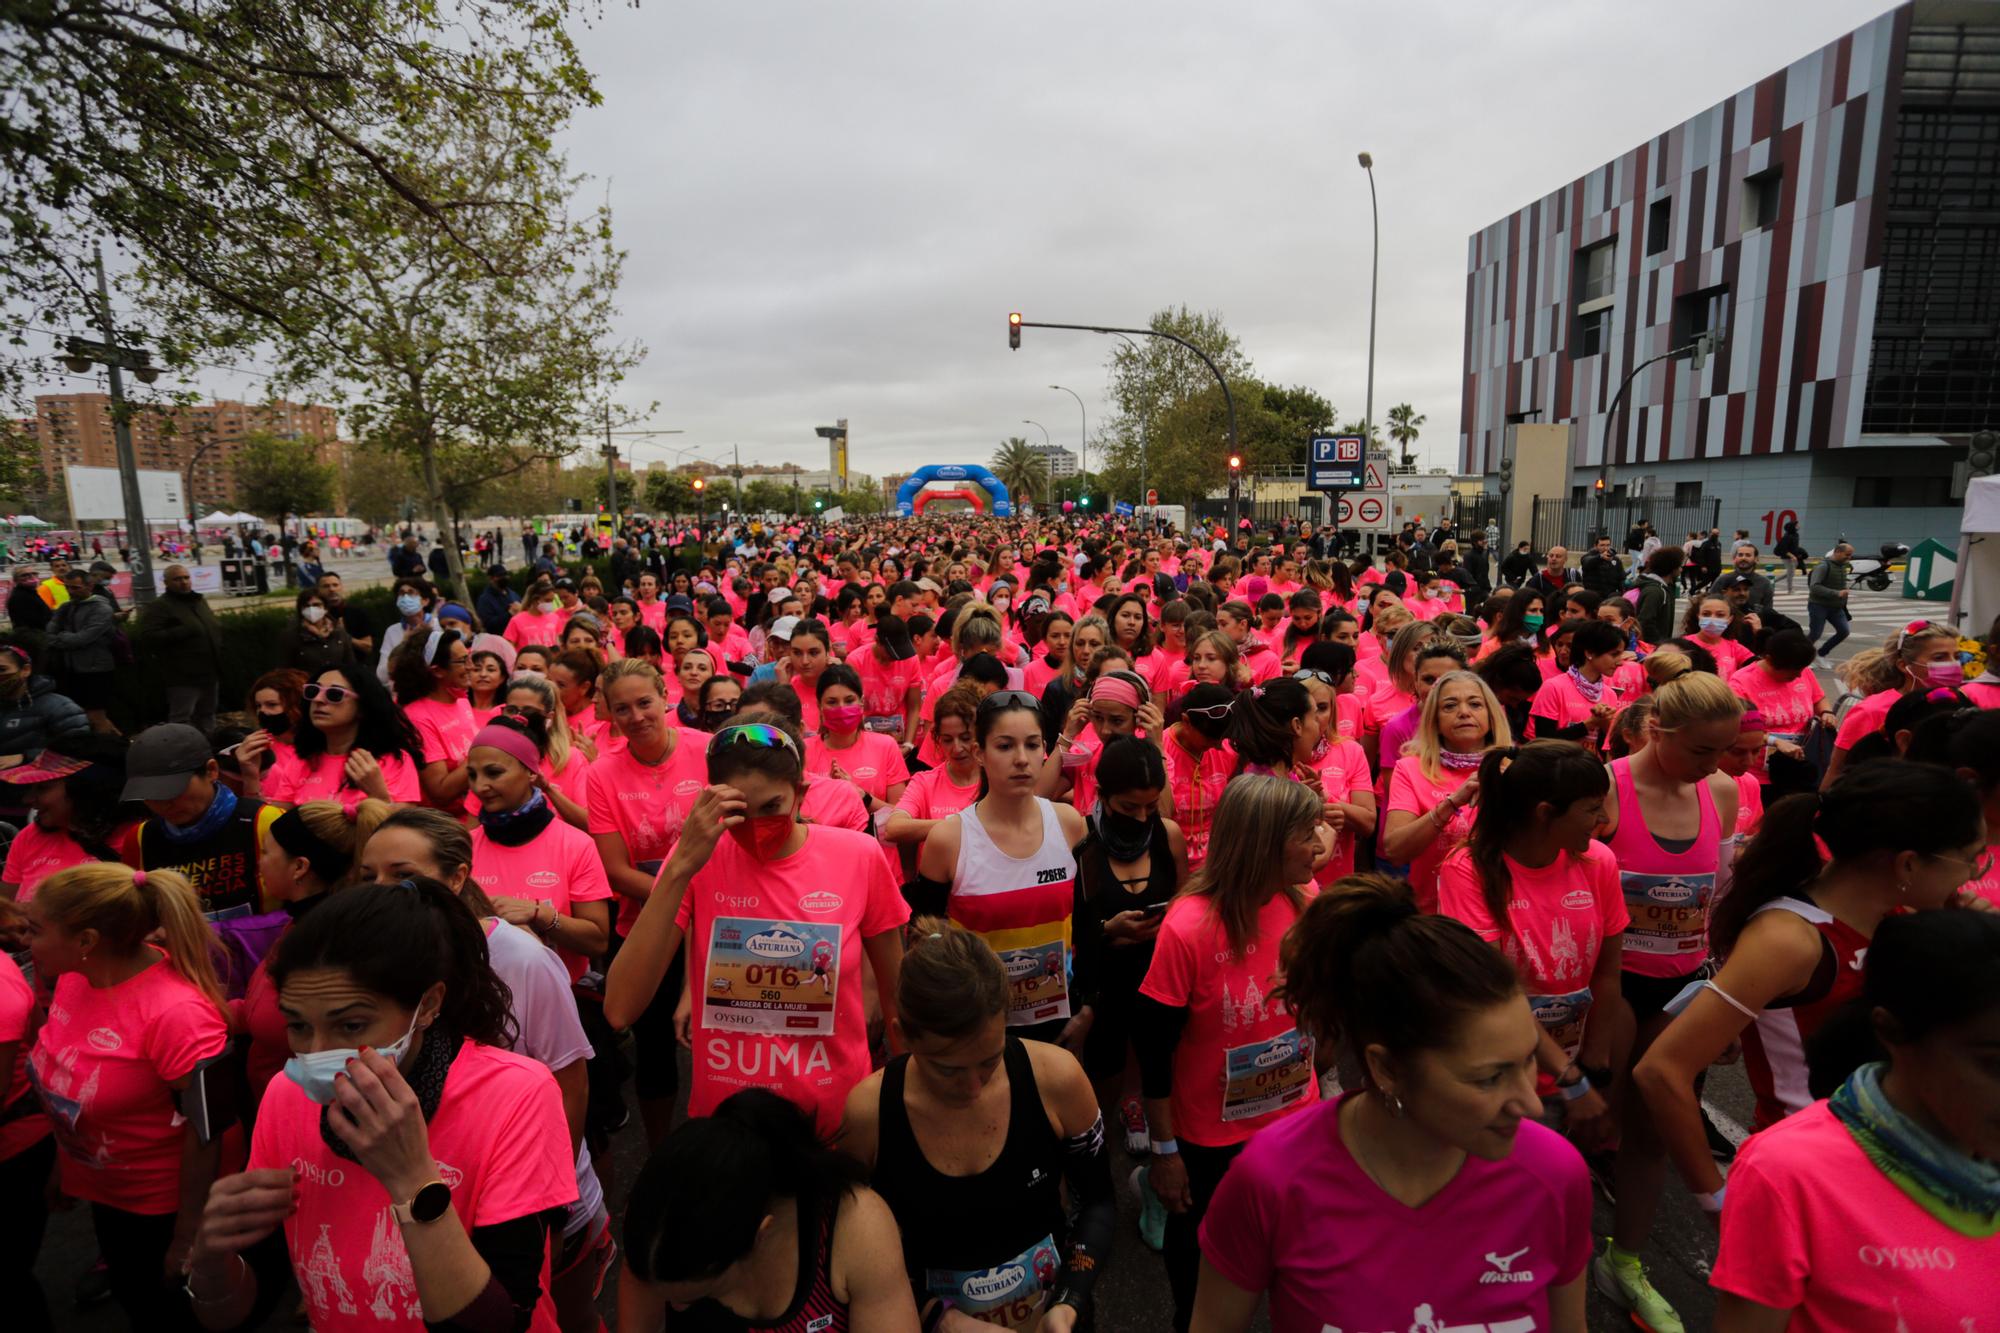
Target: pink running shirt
[
  {"x": 646, "y": 804},
  {"x": 1410, "y": 789},
  {"x": 561, "y": 867},
  {"x": 35, "y": 854},
  {"x": 1297, "y": 1217}
]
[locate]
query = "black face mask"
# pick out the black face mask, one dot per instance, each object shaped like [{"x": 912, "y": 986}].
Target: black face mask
[
  {"x": 275, "y": 723},
  {"x": 1124, "y": 837},
  {"x": 715, "y": 717}
]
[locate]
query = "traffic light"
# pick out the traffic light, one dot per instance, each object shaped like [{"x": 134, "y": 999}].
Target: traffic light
[
  {"x": 819, "y": 503},
  {"x": 1982, "y": 455},
  {"x": 1235, "y": 463},
  {"x": 1598, "y": 485},
  {"x": 700, "y": 485},
  {"x": 1506, "y": 475},
  {"x": 1014, "y": 330},
  {"x": 1084, "y": 500}
]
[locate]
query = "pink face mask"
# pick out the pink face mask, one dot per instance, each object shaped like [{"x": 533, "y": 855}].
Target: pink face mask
[
  {"x": 1944, "y": 675},
  {"x": 763, "y": 836},
  {"x": 842, "y": 718}
]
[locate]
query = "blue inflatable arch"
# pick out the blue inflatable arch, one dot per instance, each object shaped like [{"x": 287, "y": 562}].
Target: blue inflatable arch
[{"x": 906, "y": 494}]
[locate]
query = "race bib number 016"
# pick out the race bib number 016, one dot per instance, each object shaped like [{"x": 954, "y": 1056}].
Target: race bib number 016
[
  {"x": 1266, "y": 1076},
  {"x": 1009, "y": 1295},
  {"x": 1037, "y": 963},
  {"x": 771, "y": 976}
]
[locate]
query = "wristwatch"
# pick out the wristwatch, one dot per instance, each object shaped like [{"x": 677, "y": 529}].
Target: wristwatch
[{"x": 428, "y": 1204}]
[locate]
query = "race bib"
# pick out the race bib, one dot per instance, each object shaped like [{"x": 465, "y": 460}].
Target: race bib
[
  {"x": 1669, "y": 913},
  {"x": 1265, "y": 1076},
  {"x": 1562, "y": 1017},
  {"x": 771, "y": 976},
  {"x": 888, "y": 724},
  {"x": 1010, "y": 1294},
  {"x": 1037, "y": 963}
]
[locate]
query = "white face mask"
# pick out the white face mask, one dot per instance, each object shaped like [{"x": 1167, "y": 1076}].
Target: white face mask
[
  {"x": 314, "y": 1072},
  {"x": 313, "y": 614},
  {"x": 548, "y": 608}
]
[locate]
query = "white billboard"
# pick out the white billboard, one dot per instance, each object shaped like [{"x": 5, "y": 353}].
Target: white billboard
[{"x": 94, "y": 493}]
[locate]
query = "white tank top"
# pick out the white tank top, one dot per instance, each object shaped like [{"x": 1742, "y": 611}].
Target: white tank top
[{"x": 1021, "y": 906}]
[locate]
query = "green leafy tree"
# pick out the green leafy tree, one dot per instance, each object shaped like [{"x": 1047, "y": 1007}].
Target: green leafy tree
[
  {"x": 276, "y": 475},
  {"x": 198, "y": 137},
  {"x": 1024, "y": 472},
  {"x": 769, "y": 494},
  {"x": 476, "y": 368},
  {"x": 1404, "y": 424},
  {"x": 22, "y": 481},
  {"x": 669, "y": 493},
  {"x": 376, "y": 482}
]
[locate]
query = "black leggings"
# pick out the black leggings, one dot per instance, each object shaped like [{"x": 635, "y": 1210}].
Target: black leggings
[
  {"x": 24, "y": 1216},
  {"x": 134, "y": 1246},
  {"x": 1182, "y": 1251},
  {"x": 659, "y": 1054}
]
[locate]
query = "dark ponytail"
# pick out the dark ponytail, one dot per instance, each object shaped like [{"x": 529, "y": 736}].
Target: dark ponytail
[
  {"x": 1513, "y": 780},
  {"x": 1260, "y": 721},
  {"x": 1363, "y": 966},
  {"x": 696, "y": 1206},
  {"x": 399, "y": 940},
  {"x": 1964, "y": 738},
  {"x": 1889, "y": 805}
]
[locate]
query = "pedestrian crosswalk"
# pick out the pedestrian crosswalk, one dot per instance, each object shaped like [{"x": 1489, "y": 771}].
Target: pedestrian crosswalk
[{"x": 1876, "y": 615}]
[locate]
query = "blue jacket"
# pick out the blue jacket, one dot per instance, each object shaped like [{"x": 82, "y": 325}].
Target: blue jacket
[{"x": 39, "y": 718}]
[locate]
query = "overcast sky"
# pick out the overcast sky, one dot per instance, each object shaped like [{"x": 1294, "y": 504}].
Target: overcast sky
[{"x": 830, "y": 208}]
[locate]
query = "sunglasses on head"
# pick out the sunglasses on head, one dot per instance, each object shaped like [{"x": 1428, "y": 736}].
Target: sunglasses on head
[
  {"x": 333, "y": 694},
  {"x": 1009, "y": 699},
  {"x": 1311, "y": 673},
  {"x": 760, "y": 734}
]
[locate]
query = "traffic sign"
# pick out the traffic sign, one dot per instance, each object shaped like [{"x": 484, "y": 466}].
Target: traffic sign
[
  {"x": 1122, "y": 509},
  {"x": 1152, "y": 497},
  {"x": 1377, "y": 477},
  {"x": 1361, "y": 513},
  {"x": 1336, "y": 463}
]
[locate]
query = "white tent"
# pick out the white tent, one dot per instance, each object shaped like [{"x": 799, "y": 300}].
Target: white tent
[
  {"x": 217, "y": 519},
  {"x": 1975, "y": 594},
  {"x": 27, "y": 521}
]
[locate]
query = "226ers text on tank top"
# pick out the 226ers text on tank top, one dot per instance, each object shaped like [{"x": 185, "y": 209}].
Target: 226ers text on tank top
[
  {"x": 1020, "y": 906},
  {"x": 1774, "y": 1047},
  {"x": 1667, "y": 894}
]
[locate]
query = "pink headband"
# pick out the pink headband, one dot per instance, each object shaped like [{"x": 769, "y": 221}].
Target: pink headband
[
  {"x": 1112, "y": 690},
  {"x": 509, "y": 742},
  {"x": 1752, "y": 720}
]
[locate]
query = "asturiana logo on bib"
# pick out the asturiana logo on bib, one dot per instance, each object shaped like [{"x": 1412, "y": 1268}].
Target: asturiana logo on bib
[
  {"x": 1277, "y": 1055},
  {"x": 1022, "y": 965},
  {"x": 992, "y": 1286},
  {"x": 775, "y": 943}
]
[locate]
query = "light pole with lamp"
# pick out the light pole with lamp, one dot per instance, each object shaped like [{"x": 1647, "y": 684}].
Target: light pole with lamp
[
  {"x": 1083, "y": 436},
  {"x": 79, "y": 354},
  {"x": 1374, "y": 274},
  {"x": 1049, "y": 453}
]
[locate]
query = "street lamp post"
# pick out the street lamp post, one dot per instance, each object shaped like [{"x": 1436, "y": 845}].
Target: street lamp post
[
  {"x": 1049, "y": 453},
  {"x": 78, "y": 356},
  {"x": 1083, "y": 435},
  {"x": 1374, "y": 274}
]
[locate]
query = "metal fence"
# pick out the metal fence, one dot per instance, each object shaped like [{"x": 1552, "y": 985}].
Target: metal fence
[{"x": 1576, "y": 523}]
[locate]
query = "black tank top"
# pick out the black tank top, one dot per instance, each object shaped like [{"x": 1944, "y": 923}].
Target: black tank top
[
  {"x": 971, "y": 1224},
  {"x": 1121, "y": 969}
]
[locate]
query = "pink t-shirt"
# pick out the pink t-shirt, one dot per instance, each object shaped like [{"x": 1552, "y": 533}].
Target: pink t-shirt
[
  {"x": 775, "y": 952},
  {"x": 323, "y": 778},
  {"x": 17, "y": 1007},
  {"x": 1196, "y": 782},
  {"x": 1865, "y": 718},
  {"x": 1038, "y": 675},
  {"x": 1411, "y": 790},
  {"x": 885, "y": 688},
  {"x": 1987, "y": 886},
  {"x": 1297, "y": 1217},
  {"x": 560, "y": 867},
  {"x": 1559, "y": 916},
  {"x": 1787, "y": 706},
  {"x": 646, "y": 804},
  {"x": 933, "y": 795},
  {"x": 445, "y": 729},
  {"x": 875, "y": 762},
  {"x": 1812, "y": 1226},
  {"x": 1263, "y": 661},
  {"x": 500, "y": 1141},
  {"x": 1242, "y": 1063},
  {"x": 1561, "y": 699},
  {"x": 1729, "y": 655},
  {"x": 35, "y": 854},
  {"x": 104, "y": 1063},
  {"x": 1343, "y": 774},
  {"x": 531, "y": 627}
]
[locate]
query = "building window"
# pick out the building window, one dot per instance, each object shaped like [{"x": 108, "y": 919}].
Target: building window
[
  {"x": 1577, "y": 495},
  {"x": 1593, "y": 331},
  {"x": 1659, "y": 221},
  {"x": 1687, "y": 494},
  {"x": 1762, "y": 192},
  {"x": 1699, "y": 312},
  {"x": 1596, "y": 272},
  {"x": 1874, "y": 492}
]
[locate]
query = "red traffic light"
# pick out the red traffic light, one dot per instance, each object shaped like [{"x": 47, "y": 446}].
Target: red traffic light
[
  {"x": 1235, "y": 463},
  {"x": 1014, "y": 330},
  {"x": 699, "y": 484},
  {"x": 1599, "y": 485}
]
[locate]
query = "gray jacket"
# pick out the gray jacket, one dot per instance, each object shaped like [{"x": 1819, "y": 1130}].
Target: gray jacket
[
  {"x": 39, "y": 718},
  {"x": 81, "y": 632},
  {"x": 1823, "y": 586}
]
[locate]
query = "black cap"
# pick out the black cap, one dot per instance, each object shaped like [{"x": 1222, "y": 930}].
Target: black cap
[
  {"x": 163, "y": 760},
  {"x": 894, "y": 636}
]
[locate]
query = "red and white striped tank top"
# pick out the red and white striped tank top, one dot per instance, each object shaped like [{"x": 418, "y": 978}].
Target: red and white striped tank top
[
  {"x": 1021, "y": 906},
  {"x": 1774, "y": 1047}
]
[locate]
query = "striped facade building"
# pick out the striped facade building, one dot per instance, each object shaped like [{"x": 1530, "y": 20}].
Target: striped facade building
[{"x": 1838, "y": 225}]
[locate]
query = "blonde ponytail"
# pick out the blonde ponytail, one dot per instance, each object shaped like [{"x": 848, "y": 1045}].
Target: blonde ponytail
[{"x": 125, "y": 906}]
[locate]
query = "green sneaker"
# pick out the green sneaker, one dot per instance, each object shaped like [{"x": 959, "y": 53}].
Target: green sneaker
[
  {"x": 1152, "y": 1213},
  {"x": 1622, "y": 1279}
]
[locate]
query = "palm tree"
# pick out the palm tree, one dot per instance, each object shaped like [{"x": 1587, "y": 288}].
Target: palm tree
[
  {"x": 1020, "y": 469},
  {"x": 1403, "y": 423}
]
